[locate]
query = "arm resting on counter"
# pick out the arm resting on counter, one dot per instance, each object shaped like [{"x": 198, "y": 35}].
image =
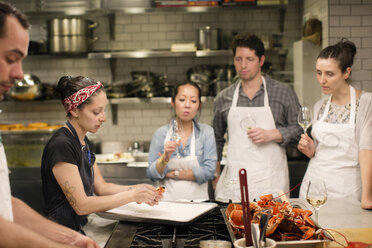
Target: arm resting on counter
[
  {"x": 365, "y": 161},
  {"x": 68, "y": 178},
  {"x": 30, "y": 229}
]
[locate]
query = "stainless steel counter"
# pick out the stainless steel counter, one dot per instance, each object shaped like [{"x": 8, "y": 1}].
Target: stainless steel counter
[
  {"x": 335, "y": 214},
  {"x": 341, "y": 213}
]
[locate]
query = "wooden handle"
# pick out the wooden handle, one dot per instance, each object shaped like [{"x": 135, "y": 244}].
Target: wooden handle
[{"x": 245, "y": 205}]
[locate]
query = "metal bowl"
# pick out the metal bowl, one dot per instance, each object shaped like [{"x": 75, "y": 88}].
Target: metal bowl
[{"x": 29, "y": 88}]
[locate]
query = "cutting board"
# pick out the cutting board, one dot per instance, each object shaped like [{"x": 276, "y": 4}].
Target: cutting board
[
  {"x": 352, "y": 234},
  {"x": 170, "y": 213}
]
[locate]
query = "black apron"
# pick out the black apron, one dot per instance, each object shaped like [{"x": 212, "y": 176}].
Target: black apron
[{"x": 63, "y": 213}]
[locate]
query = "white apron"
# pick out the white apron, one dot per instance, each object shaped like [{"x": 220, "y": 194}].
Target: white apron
[
  {"x": 5, "y": 197},
  {"x": 336, "y": 156},
  {"x": 182, "y": 189},
  {"x": 266, "y": 164}
]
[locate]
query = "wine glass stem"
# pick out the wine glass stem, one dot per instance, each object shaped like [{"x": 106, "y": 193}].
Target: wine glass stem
[{"x": 316, "y": 215}]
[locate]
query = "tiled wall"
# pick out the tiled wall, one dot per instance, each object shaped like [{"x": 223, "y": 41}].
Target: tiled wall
[
  {"x": 146, "y": 31},
  {"x": 352, "y": 19}
]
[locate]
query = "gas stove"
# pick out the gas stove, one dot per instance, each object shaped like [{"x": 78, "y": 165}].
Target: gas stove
[{"x": 132, "y": 235}]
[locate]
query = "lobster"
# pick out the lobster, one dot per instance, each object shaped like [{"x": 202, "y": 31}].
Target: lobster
[{"x": 285, "y": 222}]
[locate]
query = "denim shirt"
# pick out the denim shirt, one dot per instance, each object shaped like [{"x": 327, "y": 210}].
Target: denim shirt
[{"x": 205, "y": 150}]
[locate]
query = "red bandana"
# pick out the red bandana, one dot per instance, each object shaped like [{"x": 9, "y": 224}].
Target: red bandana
[{"x": 80, "y": 96}]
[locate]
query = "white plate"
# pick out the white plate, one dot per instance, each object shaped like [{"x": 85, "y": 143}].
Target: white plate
[
  {"x": 138, "y": 164},
  {"x": 110, "y": 158},
  {"x": 165, "y": 212}
]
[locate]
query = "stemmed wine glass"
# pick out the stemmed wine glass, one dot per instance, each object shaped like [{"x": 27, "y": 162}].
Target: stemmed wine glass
[
  {"x": 176, "y": 131},
  {"x": 316, "y": 195},
  {"x": 304, "y": 118},
  {"x": 232, "y": 190},
  {"x": 248, "y": 122}
]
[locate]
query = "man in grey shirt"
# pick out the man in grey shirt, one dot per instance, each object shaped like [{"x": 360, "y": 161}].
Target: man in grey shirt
[{"x": 260, "y": 115}]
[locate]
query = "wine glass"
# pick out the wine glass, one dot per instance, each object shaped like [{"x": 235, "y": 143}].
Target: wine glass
[
  {"x": 176, "y": 130},
  {"x": 248, "y": 122},
  {"x": 232, "y": 190},
  {"x": 316, "y": 195},
  {"x": 304, "y": 118}
]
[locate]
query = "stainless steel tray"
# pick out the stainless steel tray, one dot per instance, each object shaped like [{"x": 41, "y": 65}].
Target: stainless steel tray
[
  {"x": 294, "y": 243},
  {"x": 167, "y": 213}
]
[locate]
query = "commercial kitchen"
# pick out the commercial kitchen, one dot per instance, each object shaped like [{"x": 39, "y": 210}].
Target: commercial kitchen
[{"x": 139, "y": 50}]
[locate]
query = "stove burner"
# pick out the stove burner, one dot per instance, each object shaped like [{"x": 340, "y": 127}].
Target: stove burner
[{"x": 209, "y": 227}]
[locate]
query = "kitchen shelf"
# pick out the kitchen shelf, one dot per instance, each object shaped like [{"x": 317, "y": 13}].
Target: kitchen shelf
[
  {"x": 133, "y": 100},
  {"x": 166, "y": 53},
  {"x": 158, "y": 54},
  {"x": 195, "y": 9}
]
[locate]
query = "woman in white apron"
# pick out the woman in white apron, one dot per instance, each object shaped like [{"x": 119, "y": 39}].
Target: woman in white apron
[
  {"x": 341, "y": 152},
  {"x": 185, "y": 166},
  {"x": 266, "y": 164}
]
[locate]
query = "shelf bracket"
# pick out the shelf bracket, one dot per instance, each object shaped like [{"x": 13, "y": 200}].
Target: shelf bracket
[
  {"x": 281, "y": 19},
  {"x": 113, "y": 63},
  {"x": 114, "y": 113},
  {"x": 111, "y": 19}
]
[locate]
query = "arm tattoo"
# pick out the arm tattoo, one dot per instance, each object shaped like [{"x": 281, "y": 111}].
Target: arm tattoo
[{"x": 68, "y": 191}]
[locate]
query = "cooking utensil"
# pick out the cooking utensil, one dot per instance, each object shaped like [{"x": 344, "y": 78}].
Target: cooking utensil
[
  {"x": 208, "y": 38},
  {"x": 70, "y": 35},
  {"x": 245, "y": 205},
  {"x": 263, "y": 225},
  {"x": 29, "y": 88},
  {"x": 70, "y": 26}
]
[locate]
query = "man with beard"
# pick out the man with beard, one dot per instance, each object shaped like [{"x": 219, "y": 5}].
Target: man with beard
[
  {"x": 260, "y": 114},
  {"x": 20, "y": 225}
]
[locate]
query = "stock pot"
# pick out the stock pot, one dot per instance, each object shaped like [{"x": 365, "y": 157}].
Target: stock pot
[{"x": 70, "y": 35}]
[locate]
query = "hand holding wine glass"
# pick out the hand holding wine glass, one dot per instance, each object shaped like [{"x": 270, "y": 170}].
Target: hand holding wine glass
[
  {"x": 248, "y": 123},
  {"x": 304, "y": 118},
  {"x": 176, "y": 131},
  {"x": 316, "y": 195}
]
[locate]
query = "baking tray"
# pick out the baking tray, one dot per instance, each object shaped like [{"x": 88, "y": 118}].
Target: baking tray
[
  {"x": 167, "y": 212},
  {"x": 293, "y": 243}
]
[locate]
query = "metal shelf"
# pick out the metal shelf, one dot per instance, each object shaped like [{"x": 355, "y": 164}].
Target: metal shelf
[
  {"x": 166, "y": 53},
  {"x": 134, "y": 100},
  {"x": 158, "y": 54},
  {"x": 195, "y": 9}
]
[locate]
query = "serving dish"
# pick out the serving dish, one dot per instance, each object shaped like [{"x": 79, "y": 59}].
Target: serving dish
[
  {"x": 167, "y": 212},
  {"x": 114, "y": 158},
  {"x": 293, "y": 217}
]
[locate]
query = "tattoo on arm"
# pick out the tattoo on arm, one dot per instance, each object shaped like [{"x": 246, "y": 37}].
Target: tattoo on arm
[
  {"x": 129, "y": 188},
  {"x": 68, "y": 191}
]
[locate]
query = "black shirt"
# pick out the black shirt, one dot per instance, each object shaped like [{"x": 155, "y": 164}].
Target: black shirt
[{"x": 64, "y": 147}]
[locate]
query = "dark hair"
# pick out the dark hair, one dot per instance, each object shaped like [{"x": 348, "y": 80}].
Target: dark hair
[
  {"x": 250, "y": 41},
  {"x": 344, "y": 52},
  {"x": 175, "y": 92},
  {"x": 8, "y": 10},
  {"x": 68, "y": 85}
]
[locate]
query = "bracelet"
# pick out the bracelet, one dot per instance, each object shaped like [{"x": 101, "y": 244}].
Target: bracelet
[{"x": 162, "y": 161}]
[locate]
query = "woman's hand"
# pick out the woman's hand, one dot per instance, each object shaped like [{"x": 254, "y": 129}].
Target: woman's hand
[
  {"x": 146, "y": 193},
  {"x": 306, "y": 146},
  {"x": 169, "y": 148},
  {"x": 366, "y": 204}
]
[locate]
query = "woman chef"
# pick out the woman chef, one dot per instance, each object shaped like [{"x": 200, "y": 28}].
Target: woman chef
[
  {"x": 341, "y": 152},
  {"x": 186, "y": 172},
  {"x": 73, "y": 186}
]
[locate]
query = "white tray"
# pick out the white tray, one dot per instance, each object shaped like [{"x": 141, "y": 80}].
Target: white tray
[{"x": 172, "y": 213}]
